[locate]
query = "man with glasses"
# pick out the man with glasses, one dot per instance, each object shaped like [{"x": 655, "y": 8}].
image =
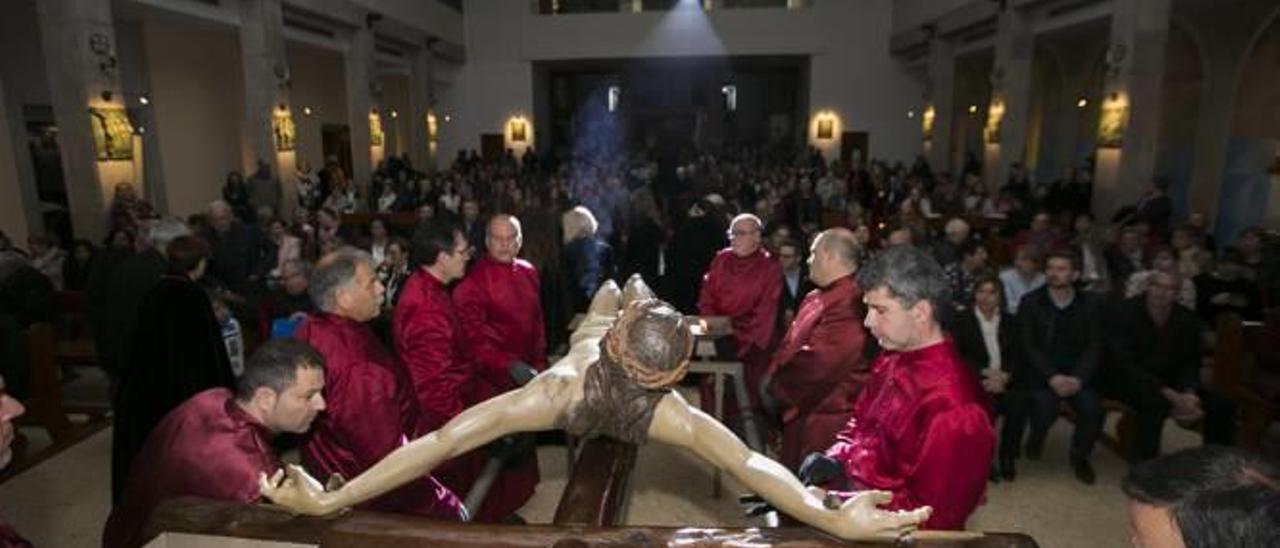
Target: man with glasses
[
  {"x": 744, "y": 283},
  {"x": 372, "y": 409},
  {"x": 499, "y": 307}
]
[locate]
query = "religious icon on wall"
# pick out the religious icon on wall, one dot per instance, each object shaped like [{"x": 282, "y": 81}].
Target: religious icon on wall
[
  {"x": 284, "y": 130},
  {"x": 1111, "y": 122},
  {"x": 826, "y": 128},
  {"x": 112, "y": 133},
  {"x": 519, "y": 133},
  {"x": 376, "y": 137},
  {"x": 926, "y": 123},
  {"x": 995, "y": 120},
  {"x": 433, "y": 128}
]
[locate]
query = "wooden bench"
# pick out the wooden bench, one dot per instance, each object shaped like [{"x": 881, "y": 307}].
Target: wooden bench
[
  {"x": 45, "y": 408},
  {"x": 1235, "y": 356},
  {"x": 589, "y": 514}
]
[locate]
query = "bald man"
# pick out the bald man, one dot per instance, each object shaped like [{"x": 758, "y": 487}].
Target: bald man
[
  {"x": 744, "y": 283},
  {"x": 499, "y": 309},
  {"x": 819, "y": 368}
]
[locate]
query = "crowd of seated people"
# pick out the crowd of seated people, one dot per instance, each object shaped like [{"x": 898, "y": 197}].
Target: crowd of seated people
[{"x": 1033, "y": 275}]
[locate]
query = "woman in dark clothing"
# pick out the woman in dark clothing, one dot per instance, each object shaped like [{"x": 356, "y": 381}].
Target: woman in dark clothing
[
  {"x": 587, "y": 261},
  {"x": 177, "y": 351},
  {"x": 986, "y": 337},
  {"x": 236, "y": 193},
  {"x": 76, "y": 269}
]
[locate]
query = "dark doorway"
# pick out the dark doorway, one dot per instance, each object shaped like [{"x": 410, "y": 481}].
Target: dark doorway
[
  {"x": 46, "y": 163},
  {"x": 335, "y": 141},
  {"x": 492, "y": 146},
  {"x": 853, "y": 148}
]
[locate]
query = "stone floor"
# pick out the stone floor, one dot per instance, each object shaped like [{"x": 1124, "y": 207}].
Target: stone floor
[{"x": 63, "y": 501}]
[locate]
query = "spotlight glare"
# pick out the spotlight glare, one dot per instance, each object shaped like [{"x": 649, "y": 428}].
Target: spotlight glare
[
  {"x": 306, "y": 111},
  {"x": 1082, "y": 103},
  {"x": 911, "y": 114},
  {"x": 973, "y": 109},
  {"x": 395, "y": 114},
  {"x": 143, "y": 99}
]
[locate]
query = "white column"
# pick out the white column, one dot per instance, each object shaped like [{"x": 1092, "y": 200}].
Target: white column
[
  {"x": 361, "y": 84},
  {"x": 266, "y": 90},
  {"x": 421, "y": 101},
  {"x": 82, "y": 66},
  {"x": 13, "y": 216},
  {"x": 942, "y": 84},
  {"x": 1011, "y": 91},
  {"x": 1135, "y": 81}
]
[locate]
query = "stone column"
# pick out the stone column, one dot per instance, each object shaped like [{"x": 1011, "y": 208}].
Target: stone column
[
  {"x": 941, "y": 90},
  {"x": 421, "y": 102},
  {"x": 361, "y": 85},
  {"x": 266, "y": 90},
  {"x": 1011, "y": 91},
  {"x": 81, "y": 61},
  {"x": 1135, "y": 81},
  {"x": 13, "y": 211}
]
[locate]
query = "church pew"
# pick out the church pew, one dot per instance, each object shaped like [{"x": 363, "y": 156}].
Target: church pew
[
  {"x": 358, "y": 528},
  {"x": 1234, "y": 358}
]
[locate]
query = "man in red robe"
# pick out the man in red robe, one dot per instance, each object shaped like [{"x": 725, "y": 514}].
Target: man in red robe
[
  {"x": 217, "y": 444},
  {"x": 500, "y": 310},
  {"x": 819, "y": 367},
  {"x": 920, "y": 427},
  {"x": 744, "y": 283},
  {"x": 10, "y": 410},
  {"x": 429, "y": 340},
  {"x": 372, "y": 408}
]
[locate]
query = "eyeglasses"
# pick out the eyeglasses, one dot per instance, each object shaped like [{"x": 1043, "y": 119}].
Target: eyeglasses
[{"x": 741, "y": 233}]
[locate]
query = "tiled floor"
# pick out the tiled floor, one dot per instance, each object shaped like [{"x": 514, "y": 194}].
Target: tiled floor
[{"x": 63, "y": 502}]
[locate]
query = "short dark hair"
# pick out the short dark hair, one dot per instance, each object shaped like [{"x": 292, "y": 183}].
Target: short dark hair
[
  {"x": 1066, "y": 255},
  {"x": 911, "y": 275},
  {"x": 430, "y": 240},
  {"x": 274, "y": 365},
  {"x": 971, "y": 246},
  {"x": 185, "y": 253},
  {"x": 1217, "y": 496},
  {"x": 333, "y": 272}
]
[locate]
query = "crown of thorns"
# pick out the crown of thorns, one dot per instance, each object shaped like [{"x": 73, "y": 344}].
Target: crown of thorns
[{"x": 618, "y": 346}]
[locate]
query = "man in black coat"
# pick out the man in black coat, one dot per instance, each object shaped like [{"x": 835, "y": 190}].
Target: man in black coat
[
  {"x": 1061, "y": 337},
  {"x": 795, "y": 283},
  {"x": 125, "y": 287},
  {"x": 1155, "y": 346},
  {"x": 236, "y": 249}
]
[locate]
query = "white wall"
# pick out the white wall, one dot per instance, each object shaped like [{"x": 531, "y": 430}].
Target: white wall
[
  {"x": 852, "y": 72},
  {"x": 198, "y": 102}
]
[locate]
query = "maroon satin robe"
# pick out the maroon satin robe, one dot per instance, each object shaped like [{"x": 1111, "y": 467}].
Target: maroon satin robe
[
  {"x": 746, "y": 289},
  {"x": 920, "y": 429},
  {"x": 9, "y": 538},
  {"x": 207, "y": 447},
  {"x": 819, "y": 369},
  {"x": 428, "y": 339},
  {"x": 371, "y": 411},
  {"x": 501, "y": 313}
]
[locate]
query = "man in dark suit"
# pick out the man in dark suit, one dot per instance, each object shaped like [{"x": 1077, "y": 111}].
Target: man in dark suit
[
  {"x": 1155, "y": 346},
  {"x": 1059, "y": 328},
  {"x": 795, "y": 283}
]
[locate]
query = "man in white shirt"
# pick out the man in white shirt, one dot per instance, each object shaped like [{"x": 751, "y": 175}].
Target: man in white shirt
[{"x": 1023, "y": 278}]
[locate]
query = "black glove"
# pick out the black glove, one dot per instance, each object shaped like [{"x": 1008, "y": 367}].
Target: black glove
[
  {"x": 818, "y": 469},
  {"x": 513, "y": 448},
  {"x": 521, "y": 373}
]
